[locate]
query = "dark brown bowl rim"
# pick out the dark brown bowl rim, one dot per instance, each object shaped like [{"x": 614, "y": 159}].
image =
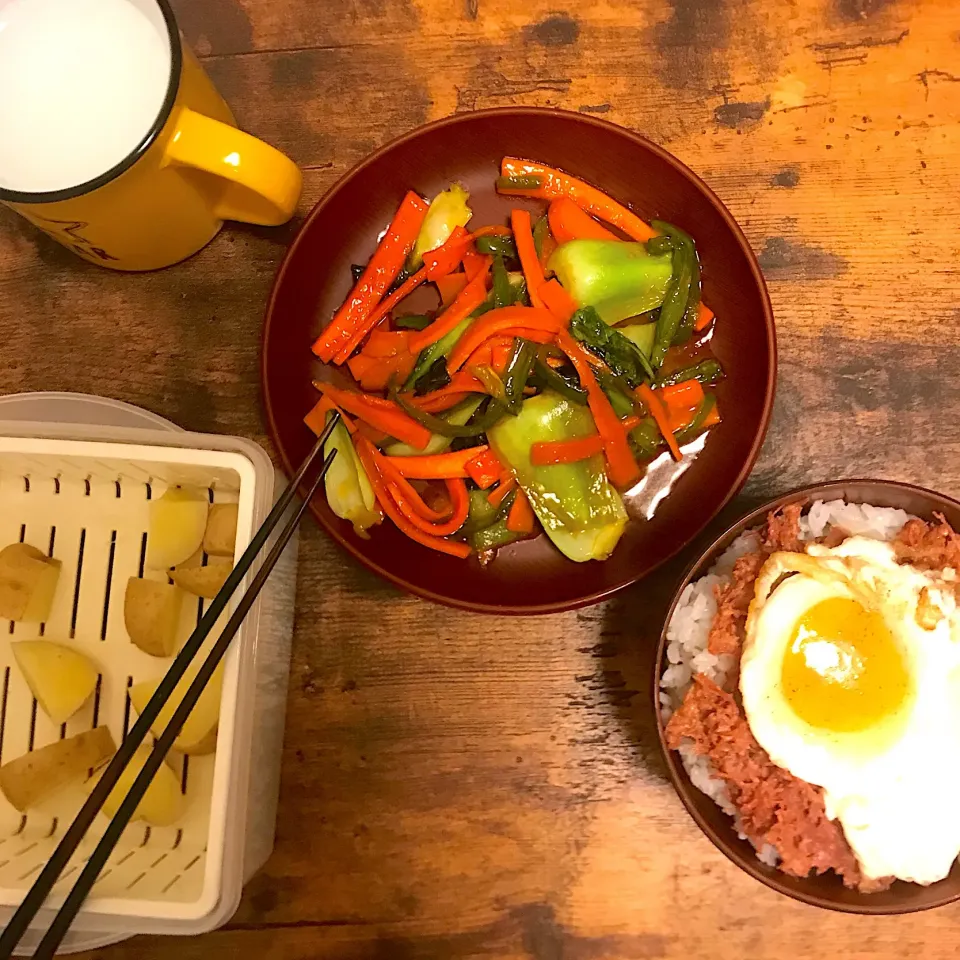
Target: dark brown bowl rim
[
  {"x": 643, "y": 143},
  {"x": 678, "y": 776}
]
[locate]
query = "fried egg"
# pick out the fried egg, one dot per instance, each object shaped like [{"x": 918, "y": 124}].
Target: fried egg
[{"x": 850, "y": 679}]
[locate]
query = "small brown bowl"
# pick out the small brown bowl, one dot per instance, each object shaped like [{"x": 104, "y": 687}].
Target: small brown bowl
[
  {"x": 827, "y": 890},
  {"x": 531, "y": 576}
]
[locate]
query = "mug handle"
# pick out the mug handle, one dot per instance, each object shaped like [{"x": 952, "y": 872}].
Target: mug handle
[{"x": 261, "y": 185}]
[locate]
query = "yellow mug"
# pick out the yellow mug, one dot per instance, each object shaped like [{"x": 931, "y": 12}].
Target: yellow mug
[{"x": 114, "y": 141}]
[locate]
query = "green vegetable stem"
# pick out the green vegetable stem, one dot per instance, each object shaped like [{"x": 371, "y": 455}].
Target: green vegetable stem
[
  {"x": 578, "y": 507},
  {"x": 619, "y": 279}
]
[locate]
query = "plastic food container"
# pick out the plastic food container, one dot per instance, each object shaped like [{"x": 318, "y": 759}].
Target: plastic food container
[{"x": 81, "y": 493}]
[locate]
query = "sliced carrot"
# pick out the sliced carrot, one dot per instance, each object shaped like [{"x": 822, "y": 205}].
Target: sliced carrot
[
  {"x": 472, "y": 295},
  {"x": 379, "y": 413},
  {"x": 623, "y": 467},
  {"x": 485, "y": 469},
  {"x": 368, "y": 457},
  {"x": 474, "y": 263},
  {"x": 546, "y": 453},
  {"x": 422, "y": 508},
  {"x": 497, "y": 322},
  {"x": 450, "y": 286},
  {"x": 660, "y": 413},
  {"x": 316, "y": 419},
  {"x": 521, "y": 518},
  {"x": 499, "y": 493},
  {"x": 387, "y": 343},
  {"x": 380, "y": 272},
  {"x": 494, "y": 230},
  {"x": 558, "y": 301},
  {"x": 501, "y": 350},
  {"x": 436, "y": 466},
  {"x": 446, "y": 258},
  {"x": 378, "y": 315},
  {"x": 556, "y": 184},
  {"x": 460, "y": 503},
  {"x": 683, "y": 395},
  {"x": 570, "y": 222},
  {"x": 527, "y": 251},
  {"x": 460, "y": 387},
  {"x": 377, "y": 373},
  {"x": 704, "y": 316}
]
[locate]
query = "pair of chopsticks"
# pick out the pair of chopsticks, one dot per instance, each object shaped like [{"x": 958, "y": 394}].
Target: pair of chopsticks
[{"x": 48, "y": 877}]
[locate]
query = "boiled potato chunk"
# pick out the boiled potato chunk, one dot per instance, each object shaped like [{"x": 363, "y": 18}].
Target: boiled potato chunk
[
  {"x": 30, "y": 779},
  {"x": 199, "y": 733},
  {"x": 220, "y": 538},
  {"x": 28, "y": 581},
  {"x": 178, "y": 520},
  {"x": 202, "y": 581},
  {"x": 61, "y": 678},
  {"x": 151, "y": 612},
  {"x": 161, "y": 805}
]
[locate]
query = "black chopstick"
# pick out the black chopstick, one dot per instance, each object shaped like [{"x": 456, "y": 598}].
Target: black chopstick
[{"x": 48, "y": 877}]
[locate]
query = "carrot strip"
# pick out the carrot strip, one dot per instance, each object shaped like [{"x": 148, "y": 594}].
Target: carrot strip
[
  {"x": 446, "y": 258},
  {"x": 521, "y": 518},
  {"x": 623, "y": 467},
  {"x": 686, "y": 395},
  {"x": 497, "y": 322},
  {"x": 377, "y": 373},
  {"x": 494, "y": 230},
  {"x": 316, "y": 419},
  {"x": 546, "y": 453},
  {"x": 660, "y": 413},
  {"x": 704, "y": 316},
  {"x": 436, "y": 466},
  {"x": 380, "y": 413},
  {"x": 558, "y": 301},
  {"x": 474, "y": 263},
  {"x": 570, "y": 222},
  {"x": 527, "y": 251},
  {"x": 387, "y": 343},
  {"x": 368, "y": 457},
  {"x": 450, "y": 286},
  {"x": 460, "y": 504},
  {"x": 472, "y": 295},
  {"x": 401, "y": 293},
  {"x": 556, "y": 184},
  {"x": 380, "y": 272},
  {"x": 395, "y": 478},
  {"x": 459, "y": 388},
  {"x": 496, "y": 496},
  {"x": 485, "y": 469}
]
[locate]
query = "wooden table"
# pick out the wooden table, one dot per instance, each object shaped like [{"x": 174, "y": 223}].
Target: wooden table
[{"x": 465, "y": 786}]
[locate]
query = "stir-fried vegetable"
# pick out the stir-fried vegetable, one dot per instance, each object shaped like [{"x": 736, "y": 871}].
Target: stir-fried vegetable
[
  {"x": 621, "y": 354},
  {"x": 552, "y": 184},
  {"x": 348, "y": 488},
  {"x": 380, "y": 272},
  {"x": 577, "y": 505},
  {"x": 570, "y": 222},
  {"x": 448, "y": 210},
  {"x": 517, "y": 403},
  {"x": 438, "y": 442},
  {"x": 706, "y": 371},
  {"x": 619, "y": 279}
]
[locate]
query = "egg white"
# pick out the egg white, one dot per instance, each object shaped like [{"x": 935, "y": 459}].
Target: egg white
[{"x": 894, "y": 786}]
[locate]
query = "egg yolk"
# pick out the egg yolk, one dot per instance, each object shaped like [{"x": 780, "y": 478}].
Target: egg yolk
[{"x": 843, "y": 671}]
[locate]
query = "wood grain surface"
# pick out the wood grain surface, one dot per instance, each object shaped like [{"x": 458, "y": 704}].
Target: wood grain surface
[{"x": 459, "y": 786}]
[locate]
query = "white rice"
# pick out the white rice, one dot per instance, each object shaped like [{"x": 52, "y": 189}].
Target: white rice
[{"x": 689, "y": 627}]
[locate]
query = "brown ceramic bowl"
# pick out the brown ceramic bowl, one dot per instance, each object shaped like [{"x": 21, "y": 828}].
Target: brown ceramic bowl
[
  {"x": 532, "y": 576},
  {"x": 827, "y": 890}
]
